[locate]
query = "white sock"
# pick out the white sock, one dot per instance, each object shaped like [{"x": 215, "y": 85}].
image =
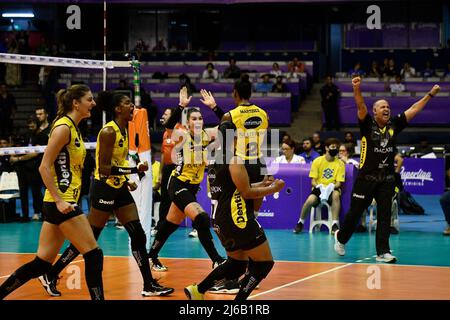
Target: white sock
[
  {"x": 336, "y": 222},
  {"x": 302, "y": 221}
]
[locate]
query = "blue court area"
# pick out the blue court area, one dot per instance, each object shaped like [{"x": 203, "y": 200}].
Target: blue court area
[{"x": 420, "y": 241}]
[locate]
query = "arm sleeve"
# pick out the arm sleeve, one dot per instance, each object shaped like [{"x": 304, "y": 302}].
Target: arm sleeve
[
  {"x": 218, "y": 112},
  {"x": 365, "y": 125},
  {"x": 400, "y": 123}
]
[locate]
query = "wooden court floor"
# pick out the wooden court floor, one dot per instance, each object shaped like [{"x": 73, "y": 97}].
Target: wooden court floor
[{"x": 287, "y": 281}]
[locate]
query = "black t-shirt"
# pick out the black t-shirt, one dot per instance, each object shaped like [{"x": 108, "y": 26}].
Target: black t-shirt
[{"x": 378, "y": 145}]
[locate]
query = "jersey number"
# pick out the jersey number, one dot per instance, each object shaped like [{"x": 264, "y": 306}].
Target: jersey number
[
  {"x": 214, "y": 204},
  {"x": 116, "y": 181}
]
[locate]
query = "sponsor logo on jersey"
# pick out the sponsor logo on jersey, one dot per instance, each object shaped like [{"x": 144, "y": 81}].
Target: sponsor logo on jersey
[
  {"x": 238, "y": 210},
  {"x": 328, "y": 173},
  {"x": 383, "y": 149},
  {"x": 62, "y": 170},
  {"x": 253, "y": 122},
  {"x": 359, "y": 196}
]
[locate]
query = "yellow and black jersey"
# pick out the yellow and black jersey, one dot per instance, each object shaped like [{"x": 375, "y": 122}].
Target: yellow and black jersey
[
  {"x": 191, "y": 158},
  {"x": 67, "y": 168},
  {"x": 378, "y": 145},
  {"x": 251, "y": 124},
  {"x": 119, "y": 156}
]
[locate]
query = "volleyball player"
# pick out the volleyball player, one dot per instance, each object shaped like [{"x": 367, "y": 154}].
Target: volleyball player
[
  {"x": 239, "y": 232},
  {"x": 191, "y": 144},
  {"x": 376, "y": 177},
  {"x": 110, "y": 192},
  {"x": 61, "y": 169}
]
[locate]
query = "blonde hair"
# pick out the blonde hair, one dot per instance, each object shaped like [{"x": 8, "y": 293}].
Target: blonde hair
[{"x": 65, "y": 97}]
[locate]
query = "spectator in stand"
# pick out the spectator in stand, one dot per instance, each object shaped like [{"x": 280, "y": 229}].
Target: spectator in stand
[
  {"x": 309, "y": 154},
  {"x": 288, "y": 155},
  {"x": 398, "y": 86},
  {"x": 330, "y": 94},
  {"x": 49, "y": 88},
  {"x": 160, "y": 46},
  {"x": 124, "y": 86},
  {"x": 266, "y": 85},
  {"x": 389, "y": 70},
  {"x": 210, "y": 72},
  {"x": 317, "y": 143},
  {"x": 428, "y": 71},
  {"x": 185, "y": 81},
  {"x": 27, "y": 171},
  {"x": 276, "y": 71},
  {"x": 43, "y": 49},
  {"x": 140, "y": 47},
  {"x": 44, "y": 126},
  {"x": 424, "y": 146},
  {"x": 348, "y": 138},
  {"x": 8, "y": 109},
  {"x": 327, "y": 177},
  {"x": 407, "y": 71},
  {"x": 280, "y": 86},
  {"x": 5, "y": 166},
  {"x": 232, "y": 71},
  {"x": 13, "y": 75},
  {"x": 295, "y": 67},
  {"x": 356, "y": 71},
  {"x": 374, "y": 71},
  {"x": 346, "y": 151}
]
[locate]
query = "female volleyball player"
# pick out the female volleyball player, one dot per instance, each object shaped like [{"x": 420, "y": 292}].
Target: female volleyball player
[
  {"x": 185, "y": 179},
  {"x": 110, "y": 193},
  {"x": 237, "y": 228},
  {"x": 60, "y": 169}
]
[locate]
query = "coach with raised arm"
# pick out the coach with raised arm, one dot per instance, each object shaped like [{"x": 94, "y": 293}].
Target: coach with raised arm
[{"x": 376, "y": 175}]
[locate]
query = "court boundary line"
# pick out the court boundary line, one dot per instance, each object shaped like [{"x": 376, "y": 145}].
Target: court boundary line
[
  {"x": 286, "y": 261},
  {"x": 301, "y": 280}
]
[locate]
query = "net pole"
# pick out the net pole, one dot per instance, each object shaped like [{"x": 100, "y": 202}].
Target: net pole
[{"x": 104, "y": 56}]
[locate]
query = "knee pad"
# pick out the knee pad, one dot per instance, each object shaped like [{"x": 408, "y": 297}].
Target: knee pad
[
  {"x": 34, "y": 269},
  {"x": 93, "y": 261},
  {"x": 201, "y": 221},
  {"x": 234, "y": 268},
  {"x": 260, "y": 269},
  {"x": 137, "y": 235}
]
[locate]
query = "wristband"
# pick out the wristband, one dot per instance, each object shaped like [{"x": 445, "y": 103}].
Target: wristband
[
  {"x": 219, "y": 112},
  {"x": 429, "y": 94}
]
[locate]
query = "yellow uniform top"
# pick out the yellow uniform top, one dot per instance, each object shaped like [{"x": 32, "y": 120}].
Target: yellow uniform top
[
  {"x": 191, "y": 159},
  {"x": 119, "y": 155},
  {"x": 326, "y": 172},
  {"x": 156, "y": 166},
  {"x": 251, "y": 124},
  {"x": 67, "y": 168}
]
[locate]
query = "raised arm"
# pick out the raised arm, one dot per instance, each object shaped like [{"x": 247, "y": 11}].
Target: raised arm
[
  {"x": 419, "y": 105},
  {"x": 240, "y": 179},
  {"x": 362, "y": 108},
  {"x": 209, "y": 101},
  {"x": 176, "y": 116}
]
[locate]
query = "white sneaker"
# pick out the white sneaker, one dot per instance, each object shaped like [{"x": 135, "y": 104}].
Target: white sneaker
[
  {"x": 338, "y": 247},
  {"x": 193, "y": 234},
  {"x": 35, "y": 217},
  {"x": 153, "y": 232},
  {"x": 386, "y": 258}
]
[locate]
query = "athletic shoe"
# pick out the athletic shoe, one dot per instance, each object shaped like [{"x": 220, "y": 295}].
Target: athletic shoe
[
  {"x": 298, "y": 228},
  {"x": 35, "y": 217},
  {"x": 192, "y": 293},
  {"x": 49, "y": 285},
  {"x": 386, "y": 257},
  {"x": 218, "y": 262},
  {"x": 193, "y": 234},
  {"x": 338, "y": 247},
  {"x": 334, "y": 228},
  {"x": 228, "y": 287},
  {"x": 158, "y": 266},
  {"x": 155, "y": 289},
  {"x": 447, "y": 231},
  {"x": 394, "y": 230},
  {"x": 153, "y": 232}
]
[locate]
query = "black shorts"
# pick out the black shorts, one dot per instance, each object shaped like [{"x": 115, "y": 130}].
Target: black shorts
[
  {"x": 256, "y": 170},
  {"x": 52, "y": 215},
  {"x": 234, "y": 238},
  {"x": 182, "y": 193},
  {"x": 106, "y": 198},
  {"x": 316, "y": 192}
]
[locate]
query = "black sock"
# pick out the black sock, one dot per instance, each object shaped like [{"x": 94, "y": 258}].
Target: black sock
[
  {"x": 231, "y": 269},
  {"x": 68, "y": 256},
  {"x": 202, "y": 225},
  {"x": 167, "y": 228},
  {"x": 25, "y": 273},
  {"x": 138, "y": 242},
  {"x": 257, "y": 271},
  {"x": 93, "y": 261}
]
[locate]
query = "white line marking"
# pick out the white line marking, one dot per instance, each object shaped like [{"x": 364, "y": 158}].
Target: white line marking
[{"x": 301, "y": 280}]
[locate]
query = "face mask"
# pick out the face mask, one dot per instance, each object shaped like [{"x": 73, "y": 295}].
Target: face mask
[{"x": 333, "y": 152}]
